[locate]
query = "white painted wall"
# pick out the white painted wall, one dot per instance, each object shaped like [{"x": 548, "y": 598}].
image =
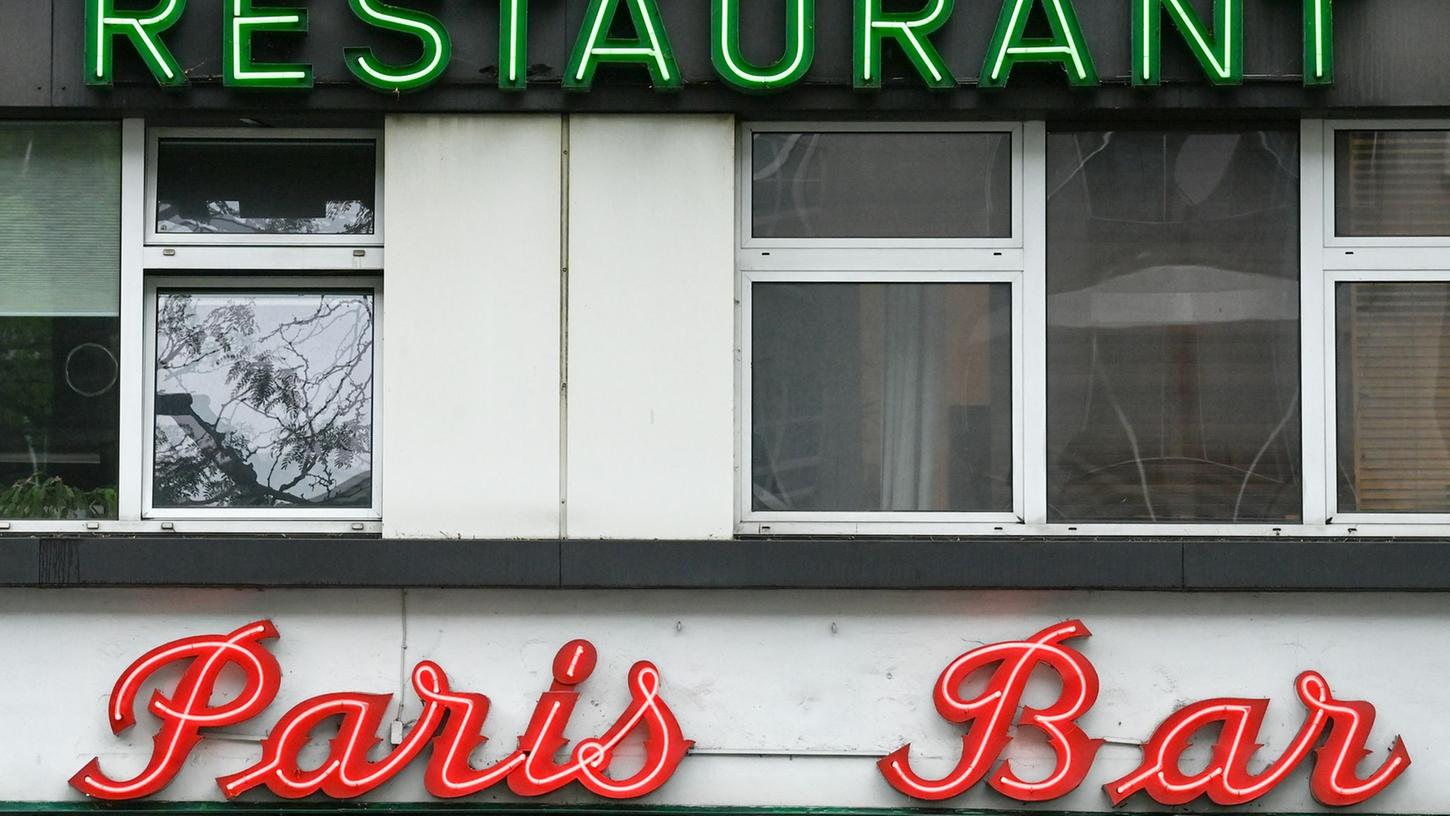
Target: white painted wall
[
  {"x": 471, "y": 327},
  {"x": 785, "y": 711},
  {"x": 651, "y": 327}
]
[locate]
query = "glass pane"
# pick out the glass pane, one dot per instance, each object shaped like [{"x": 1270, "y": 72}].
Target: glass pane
[
  {"x": 869, "y": 397},
  {"x": 60, "y": 192},
  {"x": 266, "y": 186},
  {"x": 882, "y": 185},
  {"x": 1173, "y": 327},
  {"x": 264, "y": 399},
  {"x": 1393, "y": 382},
  {"x": 1392, "y": 182}
]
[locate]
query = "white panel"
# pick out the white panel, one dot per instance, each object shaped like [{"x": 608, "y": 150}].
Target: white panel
[
  {"x": 651, "y": 327},
  {"x": 790, "y": 696},
  {"x": 471, "y": 327}
]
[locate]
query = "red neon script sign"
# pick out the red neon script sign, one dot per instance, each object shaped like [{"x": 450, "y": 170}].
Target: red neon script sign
[
  {"x": 450, "y": 728},
  {"x": 1339, "y": 727}
]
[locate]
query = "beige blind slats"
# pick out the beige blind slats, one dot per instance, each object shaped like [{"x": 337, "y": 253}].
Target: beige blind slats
[
  {"x": 1398, "y": 383},
  {"x": 1392, "y": 183}
]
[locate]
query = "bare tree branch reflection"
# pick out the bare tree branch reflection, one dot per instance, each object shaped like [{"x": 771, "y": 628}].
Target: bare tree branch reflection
[{"x": 264, "y": 400}]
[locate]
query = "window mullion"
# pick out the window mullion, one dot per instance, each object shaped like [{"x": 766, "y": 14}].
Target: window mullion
[
  {"x": 133, "y": 366},
  {"x": 1315, "y": 326},
  {"x": 1031, "y": 412}
]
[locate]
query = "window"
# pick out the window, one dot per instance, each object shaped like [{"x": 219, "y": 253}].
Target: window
[
  {"x": 871, "y": 397},
  {"x": 881, "y": 288},
  {"x": 234, "y": 187},
  {"x": 60, "y": 280},
  {"x": 1173, "y": 326},
  {"x": 190, "y": 329},
  {"x": 262, "y": 341},
  {"x": 977, "y": 329},
  {"x": 262, "y": 398},
  {"x": 1386, "y": 293}
]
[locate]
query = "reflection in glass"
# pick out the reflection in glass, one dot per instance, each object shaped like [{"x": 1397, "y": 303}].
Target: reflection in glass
[
  {"x": 882, "y": 185},
  {"x": 263, "y": 399},
  {"x": 1394, "y": 397},
  {"x": 60, "y": 187},
  {"x": 871, "y": 397},
  {"x": 1392, "y": 183},
  {"x": 1173, "y": 327},
  {"x": 266, "y": 186}
]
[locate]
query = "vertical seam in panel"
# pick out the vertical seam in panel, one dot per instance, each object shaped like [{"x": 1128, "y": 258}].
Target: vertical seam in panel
[
  {"x": 50, "y": 90},
  {"x": 563, "y": 328}
]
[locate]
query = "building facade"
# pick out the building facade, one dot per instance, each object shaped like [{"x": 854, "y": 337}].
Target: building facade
[{"x": 641, "y": 405}]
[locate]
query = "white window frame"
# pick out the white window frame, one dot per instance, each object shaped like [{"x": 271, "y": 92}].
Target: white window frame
[
  {"x": 164, "y": 239},
  {"x": 1332, "y": 279},
  {"x": 1338, "y": 260},
  {"x": 910, "y": 260},
  {"x": 197, "y": 258},
  {"x": 1324, "y": 261},
  {"x": 262, "y": 284}
]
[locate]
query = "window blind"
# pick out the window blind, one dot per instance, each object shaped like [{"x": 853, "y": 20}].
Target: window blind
[
  {"x": 1394, "y": 399},
  {"x": 1392, "y": 183},
  {"x": 60, "y": 219}
]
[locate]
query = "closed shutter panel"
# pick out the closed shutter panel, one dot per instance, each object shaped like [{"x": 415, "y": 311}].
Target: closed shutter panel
[{"x": 1399, "y": 396}]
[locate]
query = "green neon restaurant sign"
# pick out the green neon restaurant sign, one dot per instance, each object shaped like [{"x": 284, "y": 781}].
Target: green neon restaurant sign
[{"x": 1217, "y": 44}]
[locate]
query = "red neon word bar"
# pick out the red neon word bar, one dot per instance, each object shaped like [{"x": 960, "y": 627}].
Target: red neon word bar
[
  {"x": 450, "y": 728},
  {"x": 1339, "y": 727}
]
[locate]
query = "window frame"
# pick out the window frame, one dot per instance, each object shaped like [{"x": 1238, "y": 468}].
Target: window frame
[
  {"x": 1339, "y": 259},
  {"x": 140, "y": 262},
  {"x": 1323, "y": 260},
  {"x": 155, "y": 136},
  {"x": 154, "y": 284},
  {"x": 888, "y": 260}
]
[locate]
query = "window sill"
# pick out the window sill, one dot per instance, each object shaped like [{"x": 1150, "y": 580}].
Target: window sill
[{"x": 1157, "y": 564}]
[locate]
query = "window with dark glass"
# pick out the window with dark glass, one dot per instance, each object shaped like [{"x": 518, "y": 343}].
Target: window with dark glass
[
  {"x": 851, "y": 184},
  {"x": 265, "y": 186},
  {"x": 885, "y": 388},
  {"x": 881, "y": 397},
  {"x": 1173, "y": 326},
  {"x": 263, "y": 399},
  {"x": 59, "y": 320}
]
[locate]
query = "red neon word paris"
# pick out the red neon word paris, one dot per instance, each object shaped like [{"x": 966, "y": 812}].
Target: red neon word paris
[
  {"x": 1339, "y": 729},
  {"x": 450, "y": 728}
]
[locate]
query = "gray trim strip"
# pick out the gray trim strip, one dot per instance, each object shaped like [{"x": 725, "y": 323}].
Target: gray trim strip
[{"x": 1164, "y": 564}]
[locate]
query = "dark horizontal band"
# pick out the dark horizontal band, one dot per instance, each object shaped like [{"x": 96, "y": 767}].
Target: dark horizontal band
[{"x": 1182, "y": 564}]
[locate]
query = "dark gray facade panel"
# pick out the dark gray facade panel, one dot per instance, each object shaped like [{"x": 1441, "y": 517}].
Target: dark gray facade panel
[
  {"x": 314, "y": 562},
  {"x": 917, "y": 564},
  {"x": 25, "y": 54},
  {"x": 19, "y": 561},
  {"x": 1149, "y": 564},
  {"x": 1317, "y": 564},
  {"x": 1390, "y": 57}
]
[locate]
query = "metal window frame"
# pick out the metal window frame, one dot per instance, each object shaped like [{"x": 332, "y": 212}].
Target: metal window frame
[
  {"x": 987, "y": 261},
  {"x": 1323, "y": 261},
  {"x": 1331, "y": 281},
  {"x": 153, "y": 286},
  {"x": 1334, "y": 260}
]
